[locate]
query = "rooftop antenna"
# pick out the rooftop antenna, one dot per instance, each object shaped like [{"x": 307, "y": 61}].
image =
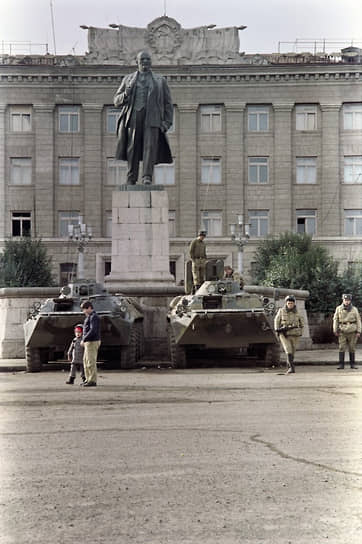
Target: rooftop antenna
[{"x": 53, "y": 26}]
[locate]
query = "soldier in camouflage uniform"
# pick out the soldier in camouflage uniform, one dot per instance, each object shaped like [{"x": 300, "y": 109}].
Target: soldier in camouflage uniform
[
  {"x": 289, "y": 324},
  {"x": 347, "y": 327},
  {"x": 197, "y": 251}
]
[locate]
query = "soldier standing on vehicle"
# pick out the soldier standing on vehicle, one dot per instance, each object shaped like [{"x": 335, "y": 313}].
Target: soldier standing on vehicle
[
  {"x": 288, "y": 323},
  {"x": 197, "y": 251},
  {"x": 347, "y": 327}
]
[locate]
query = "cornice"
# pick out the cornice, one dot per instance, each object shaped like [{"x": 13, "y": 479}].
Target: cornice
[{"x": 175, "y": 79}]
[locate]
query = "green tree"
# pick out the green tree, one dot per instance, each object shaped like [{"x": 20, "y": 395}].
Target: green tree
[
  {"x": 293, "y": 262},
  {"x": 24, "y": 263}
]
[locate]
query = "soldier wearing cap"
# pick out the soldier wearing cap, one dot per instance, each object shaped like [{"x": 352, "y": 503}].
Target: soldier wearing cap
[
  {"x": 288, "y": 323},
  {"x": 347, "y": 327},
  {"x": 197, "y": 251}
]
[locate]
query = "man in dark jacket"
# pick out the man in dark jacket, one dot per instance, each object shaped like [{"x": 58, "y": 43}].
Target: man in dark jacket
[
  {"x": 146, "y": 114},
  {"x": 91, "y": 342}
]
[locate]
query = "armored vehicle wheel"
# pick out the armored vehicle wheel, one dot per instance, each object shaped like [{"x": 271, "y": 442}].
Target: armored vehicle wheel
[
  {"x": 272, "y": 354},
  {"x": 177, "y": 353},
  {"x": 129, "y": 353},
  {"x": 33, "y": 359}
]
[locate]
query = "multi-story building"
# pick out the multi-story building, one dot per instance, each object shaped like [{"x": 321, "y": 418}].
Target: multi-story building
[{"x": 277, "y": 138}]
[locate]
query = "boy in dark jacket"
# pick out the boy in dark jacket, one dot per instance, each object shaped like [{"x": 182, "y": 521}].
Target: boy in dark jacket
[{"x": 75, "y": 355}]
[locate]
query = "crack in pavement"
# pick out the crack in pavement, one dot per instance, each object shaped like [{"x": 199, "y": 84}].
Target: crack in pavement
[{"x": 256, "y": 438}]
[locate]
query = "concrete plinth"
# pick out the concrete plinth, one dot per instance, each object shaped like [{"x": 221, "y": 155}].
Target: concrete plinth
[{"x": 140, "y": 238}]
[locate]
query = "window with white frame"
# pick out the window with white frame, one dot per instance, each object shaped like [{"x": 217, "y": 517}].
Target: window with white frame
[
  {"x": 69, "y": 171},
  {"x": 20, "y": 119},
  {"x": 21, "y": 224},
  {"x": 352, "y": 116},
  {"x": 20, "y": 171},
  {"x": 211, "y": 170},
  {"x": 210, "y": 117},
  {"x": 259, "y": 222},
  {"x": 306, "y": 221},
  {"x": 258, "y": 169},
  {"x": 164, "y": 174},
  {"x": 353, "y": 222},
  {"x": 258, "y": 118},
  {"x": 108, "y": 224},
  {"x": 112, "y": 117},
  {"x": 306, "y": 117},
  {"x": 172, "y": 223},
  {"x": 353, "y": 169},
  {"x": 66, "y": 219},
  {"x": 68, "y": 118},
  {"x": 306, "y": 169},
  {"x": 211, "y": 221},
  {"x": 116, "y": 172}
]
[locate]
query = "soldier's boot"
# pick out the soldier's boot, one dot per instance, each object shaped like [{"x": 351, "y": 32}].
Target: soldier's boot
[
  {"x": 70, "y": 380},
  {"x": 352, "y": 360},
  {"x": 341, "y": 361},
  {"x": 290, "y": 364}
]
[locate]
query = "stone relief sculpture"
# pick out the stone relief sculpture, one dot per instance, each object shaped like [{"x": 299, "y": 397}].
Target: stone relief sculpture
[{"x": 168, "y": 43}]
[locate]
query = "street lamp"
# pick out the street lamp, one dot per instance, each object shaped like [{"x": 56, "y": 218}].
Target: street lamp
[
  {"x": 80, "y": 234},
  {"x": 240, "y": 235}
]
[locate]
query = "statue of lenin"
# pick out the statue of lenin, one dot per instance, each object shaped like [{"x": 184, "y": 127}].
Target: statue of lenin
[{"x": 146, "y": 114}]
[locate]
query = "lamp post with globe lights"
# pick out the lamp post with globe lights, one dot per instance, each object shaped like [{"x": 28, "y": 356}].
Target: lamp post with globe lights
[
  {"x": 80, "y": 234},
  {"x": 240, "y": 234}
]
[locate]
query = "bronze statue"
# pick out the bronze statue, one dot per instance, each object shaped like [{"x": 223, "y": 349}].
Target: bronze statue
[{"x": 146, "y": 114}]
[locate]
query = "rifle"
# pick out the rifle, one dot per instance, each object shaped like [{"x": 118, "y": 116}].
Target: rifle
[{"x": 282, "y": 330}]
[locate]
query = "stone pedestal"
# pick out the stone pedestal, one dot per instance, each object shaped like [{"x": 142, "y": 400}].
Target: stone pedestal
[{"x": 140, "y": 238}]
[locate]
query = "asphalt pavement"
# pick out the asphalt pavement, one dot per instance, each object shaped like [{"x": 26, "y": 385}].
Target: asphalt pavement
[{"x": 328, "y": 356}]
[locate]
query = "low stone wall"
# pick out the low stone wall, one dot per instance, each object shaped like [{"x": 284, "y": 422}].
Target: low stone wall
[{"x": 15, "y": 304}]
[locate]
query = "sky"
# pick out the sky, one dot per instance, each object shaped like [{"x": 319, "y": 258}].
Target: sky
[{"x": 269, "y": 21}]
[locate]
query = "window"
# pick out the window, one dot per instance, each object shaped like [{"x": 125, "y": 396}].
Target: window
[
  {"x": 111, "y": 119},
  {"x": 306, "y": 117},
  {"x": 258, "y": 170},
  {"x": 259, "y": 222},
  {"x": 107, "y": 267},
  {"x": 20, "y": 171},
  {"x": 353, "y": 222},
  {"x": 68, "y": 118},
  {"x": 352, "y": 116},
  {"x": 20, "y": 119},
  {"x": 210, "y": 118},
  {"x": 211, "y": 170},
  {"x": 116, "y": 172},
  {"x": 306, "y": 170},
  {"x": 164, "y": 174},
  {"x": 68, "y": 273},
  {"x": 69, "y": 171},
  {"x": 172, "y": 268},
  {"x": 306, "y": 222},
  {"x": 21, "y": 224},
  {"x": 172, "y": 223},
  {"x": 353, "y": 169},
  {"x": 212, "y": 223},
  {"x": 108, "y": 224},
  {"x": 66, "y": 219},
  {"x": 258, "y": 118}
]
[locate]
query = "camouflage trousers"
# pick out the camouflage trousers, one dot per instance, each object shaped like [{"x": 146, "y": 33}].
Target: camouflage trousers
[
  {"x": 198, "y": 271},
  {"x": 347, "y": 341},
  {"x": 289, "y": 343}
]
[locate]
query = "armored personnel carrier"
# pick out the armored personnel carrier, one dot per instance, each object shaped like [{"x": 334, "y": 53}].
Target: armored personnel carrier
[
  {"x": 222, "y": 317},
  {"x": 49, "y": 328}
]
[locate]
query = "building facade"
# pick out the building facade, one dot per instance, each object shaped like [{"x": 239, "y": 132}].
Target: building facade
[{"x": 276, "y": 139}]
